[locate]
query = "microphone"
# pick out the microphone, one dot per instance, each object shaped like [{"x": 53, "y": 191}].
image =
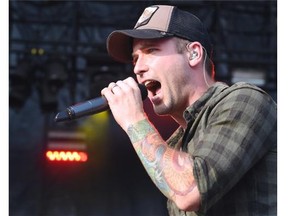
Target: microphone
[{"x": 90, "y": 107}]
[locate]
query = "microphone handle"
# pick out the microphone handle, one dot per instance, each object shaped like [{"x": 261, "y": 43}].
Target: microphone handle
[{"x": 91, "y": 107}]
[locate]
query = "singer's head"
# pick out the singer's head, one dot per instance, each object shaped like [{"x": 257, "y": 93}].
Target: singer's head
[
  {"x": 156, "y": 22},
  {"x": 171, "y": 52}
]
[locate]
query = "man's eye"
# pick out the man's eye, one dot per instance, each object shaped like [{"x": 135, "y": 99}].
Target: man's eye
[
  {"x": 150, "y": 50},
  {"x": 134, "y": 60}
]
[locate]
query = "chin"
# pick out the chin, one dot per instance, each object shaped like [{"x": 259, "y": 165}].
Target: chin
[{"x": 161, "y": 110}]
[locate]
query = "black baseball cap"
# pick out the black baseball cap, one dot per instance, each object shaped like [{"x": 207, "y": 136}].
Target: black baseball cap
[{"x": 158, "y": 21}]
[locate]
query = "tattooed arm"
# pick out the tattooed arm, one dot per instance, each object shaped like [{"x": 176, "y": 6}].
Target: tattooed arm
[{"x": 169, "y": 169}]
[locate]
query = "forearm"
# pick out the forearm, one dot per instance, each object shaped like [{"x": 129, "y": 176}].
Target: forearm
[{"x": 169, "y": 169}]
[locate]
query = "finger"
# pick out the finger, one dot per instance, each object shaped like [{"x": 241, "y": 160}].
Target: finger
[
  {"x": 106, "y": 92},
  {"x": 111, "y": 85},
  {"x": 132, "y": 83},
  {"x": 128, "y": 84},
  {"x": 121, "y": 84},
  {"x": 124, "y": 87}
]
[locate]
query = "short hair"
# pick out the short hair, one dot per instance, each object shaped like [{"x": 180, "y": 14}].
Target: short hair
[{"x": 181, "y": 45}]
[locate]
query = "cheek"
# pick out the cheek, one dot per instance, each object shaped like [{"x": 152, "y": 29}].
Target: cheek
[
  {"x": 178, "y": 79},
  {"x": 170, "y": 68},
  {"x": 156, "y": 62}
]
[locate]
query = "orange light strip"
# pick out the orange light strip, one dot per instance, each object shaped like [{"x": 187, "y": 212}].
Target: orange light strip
[{"x": 68, "y": 156}]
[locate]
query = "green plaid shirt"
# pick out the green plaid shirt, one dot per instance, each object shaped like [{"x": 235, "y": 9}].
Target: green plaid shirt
[{"x": 232, "y": 138}]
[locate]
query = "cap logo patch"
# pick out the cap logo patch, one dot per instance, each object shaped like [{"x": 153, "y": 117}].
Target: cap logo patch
[{"x": 146, "y": 16}]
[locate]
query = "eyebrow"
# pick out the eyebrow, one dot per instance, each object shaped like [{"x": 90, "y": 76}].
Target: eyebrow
[{"x": 145, "y": 44}]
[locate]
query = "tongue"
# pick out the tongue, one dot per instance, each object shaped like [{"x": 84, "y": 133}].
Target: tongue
[{"x": 157, "y": 90}]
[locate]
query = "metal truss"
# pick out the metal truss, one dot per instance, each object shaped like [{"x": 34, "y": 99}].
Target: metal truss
[{"x": 244, "y": 33}]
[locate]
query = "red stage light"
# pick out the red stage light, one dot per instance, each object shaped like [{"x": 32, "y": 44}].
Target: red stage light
[
  {"x": 68, "y": 156},
  {"x": 66, "y": 146}
]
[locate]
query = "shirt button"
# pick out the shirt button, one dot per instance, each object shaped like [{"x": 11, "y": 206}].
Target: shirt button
[{"x": 187, "y": 116}]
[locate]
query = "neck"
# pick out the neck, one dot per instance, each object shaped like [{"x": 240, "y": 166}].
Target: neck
[
  {"x": 181, "y": 121},
  {"x": 198, "y": 93}
]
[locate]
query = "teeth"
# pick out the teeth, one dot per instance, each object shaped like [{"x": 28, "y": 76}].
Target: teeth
[{"x": 147, "y": 83}]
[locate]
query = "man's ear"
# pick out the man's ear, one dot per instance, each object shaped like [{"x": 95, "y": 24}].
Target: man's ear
[{"x": 195, "y": 52}]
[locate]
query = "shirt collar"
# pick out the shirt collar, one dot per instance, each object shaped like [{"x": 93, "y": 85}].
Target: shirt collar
[{"x": 192, "y": 111}]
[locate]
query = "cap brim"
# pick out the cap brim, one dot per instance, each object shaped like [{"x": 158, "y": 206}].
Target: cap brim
[{"x": 119, "y": 43}]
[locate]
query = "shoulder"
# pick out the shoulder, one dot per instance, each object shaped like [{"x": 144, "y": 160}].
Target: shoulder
[
  {"x": 243, "y": 92},
  {"x": 243, "y": 99}
]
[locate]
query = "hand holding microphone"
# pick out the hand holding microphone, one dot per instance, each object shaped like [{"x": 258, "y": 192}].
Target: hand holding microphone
[
  {"x": 125, "y": 101},
  {"x": 99, "y": 104}
]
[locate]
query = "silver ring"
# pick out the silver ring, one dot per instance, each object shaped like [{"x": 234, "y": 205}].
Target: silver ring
[{"x": 115, "y": 85}]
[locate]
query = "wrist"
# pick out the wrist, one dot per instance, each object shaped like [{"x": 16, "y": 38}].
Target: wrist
[{"x": 139, "y": 130}]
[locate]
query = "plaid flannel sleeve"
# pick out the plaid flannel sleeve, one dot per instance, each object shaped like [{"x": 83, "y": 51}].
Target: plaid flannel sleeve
[{"x": 234, "y": 136}]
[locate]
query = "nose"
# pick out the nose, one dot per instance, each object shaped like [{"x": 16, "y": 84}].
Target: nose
[{"x": 140, "y": 65}]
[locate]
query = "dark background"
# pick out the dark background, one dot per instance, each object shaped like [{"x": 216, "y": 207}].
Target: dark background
[{"x": 57, "y": 57}]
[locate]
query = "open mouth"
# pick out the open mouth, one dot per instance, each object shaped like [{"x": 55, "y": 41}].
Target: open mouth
[{"x": 153, "y": 86}]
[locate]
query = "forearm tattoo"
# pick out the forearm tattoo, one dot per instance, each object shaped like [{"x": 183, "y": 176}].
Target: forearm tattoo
[{"x": 169, "y": 169}]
